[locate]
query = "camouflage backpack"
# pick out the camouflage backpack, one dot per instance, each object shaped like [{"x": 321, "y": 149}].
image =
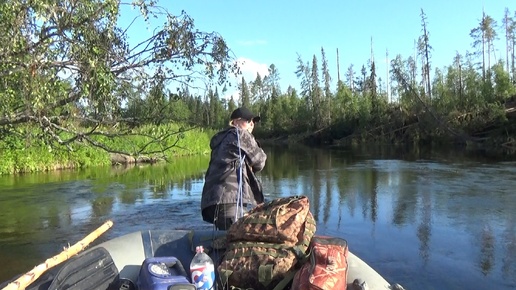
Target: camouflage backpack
[{"x": 267, "y": 246}]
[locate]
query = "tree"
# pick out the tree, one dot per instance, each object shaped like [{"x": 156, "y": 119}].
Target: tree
[
  {"x": 350, "y": 78},
  {"x": 412, "y": 68},
  {"x": 327, "y": 90},
  {"x": 509, "y": 24},
  {"x": 402, "y": 73},
  {"x": 274, "y": 78},
  {"x": 257, "y": 90},
  {"x": 68, "y": 64},
  {"x": 503, "y": 88},
  {"x": 156, "y": 104},
  {"x": 232, "y": 105},
  {"x": 508, "y": 27},
  {"x": 371, "y": 84},
  {"x": 217, "y": 110},
  {"x": 316, "y": 96},
  {"x": 303, "y": 72},
  {"x": 472, "y": 85},
  {"x": 484, "y": 36},
  {"x": 245, "y": 95},
  {"x": 459, "y": 83},
  {"x": 271, "y": 83},
  {"x": 441, "y": 92},
  {"x": 513, "y": 47},
  {"x": 345, "y": 108},
  {"x": 424, "y": 49},
  {"x": 363, "y": 80}
]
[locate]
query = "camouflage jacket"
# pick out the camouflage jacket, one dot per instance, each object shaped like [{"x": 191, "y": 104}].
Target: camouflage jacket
[{"x": 221, "y": 180}]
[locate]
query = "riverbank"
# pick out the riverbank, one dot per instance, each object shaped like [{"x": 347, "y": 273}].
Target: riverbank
[{"x": 21, "y": 155}]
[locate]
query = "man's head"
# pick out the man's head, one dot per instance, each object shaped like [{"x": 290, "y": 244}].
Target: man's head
[{"x": 243, "y": 118}]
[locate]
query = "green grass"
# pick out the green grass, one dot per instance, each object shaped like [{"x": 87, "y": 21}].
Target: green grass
[{"x": 20, "y": 156}]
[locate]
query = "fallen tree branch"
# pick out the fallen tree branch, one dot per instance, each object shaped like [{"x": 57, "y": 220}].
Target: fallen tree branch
[{"x": 409, "y": 88}]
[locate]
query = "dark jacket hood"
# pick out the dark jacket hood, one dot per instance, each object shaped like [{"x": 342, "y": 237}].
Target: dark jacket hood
[{"x": 219, "y": 137}]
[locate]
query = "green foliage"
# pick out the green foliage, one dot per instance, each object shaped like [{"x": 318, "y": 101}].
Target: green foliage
[
  {"x": 69, "y": 72},
  {"x": 43, "y": 157},
  {"x": 503, "y": 86},
  {"x": 24, "y": 155}
]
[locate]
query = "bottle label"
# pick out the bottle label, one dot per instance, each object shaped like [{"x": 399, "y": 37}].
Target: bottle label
[{"x": 203, "y": 277}]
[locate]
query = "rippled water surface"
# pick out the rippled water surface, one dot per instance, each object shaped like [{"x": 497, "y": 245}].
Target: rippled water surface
[{"x": 426, "y": 221}]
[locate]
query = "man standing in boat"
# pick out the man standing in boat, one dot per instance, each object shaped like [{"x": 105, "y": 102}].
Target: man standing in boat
[{"x": 230, "y": 183}]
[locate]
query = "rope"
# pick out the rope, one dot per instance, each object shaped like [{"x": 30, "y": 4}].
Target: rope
[{"x": 239, "y": 212}]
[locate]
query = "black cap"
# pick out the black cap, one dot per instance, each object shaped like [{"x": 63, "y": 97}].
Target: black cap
[{"x": 244, "y": 113}]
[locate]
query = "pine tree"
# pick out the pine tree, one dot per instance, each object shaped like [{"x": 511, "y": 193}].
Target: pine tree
[
  {"x": 350, "y": 77},
  {"x": 507, "y": 23},
  {"x": 424, "y": 49},
  {"x": 316, "y": 95},
  {"x": 245, "y": 95},
  {"x": 484, "y": 36},
  {"x": 327, "y": 90}
]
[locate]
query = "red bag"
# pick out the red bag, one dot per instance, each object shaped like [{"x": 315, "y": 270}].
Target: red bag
[{"x": 327, "y": 268}]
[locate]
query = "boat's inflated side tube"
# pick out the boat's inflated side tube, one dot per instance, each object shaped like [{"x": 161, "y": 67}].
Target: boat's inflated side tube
[{"x": 163, "y": 273}]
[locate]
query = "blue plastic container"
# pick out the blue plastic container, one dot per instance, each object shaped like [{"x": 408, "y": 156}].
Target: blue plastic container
[{"x": 163, "y": 273}]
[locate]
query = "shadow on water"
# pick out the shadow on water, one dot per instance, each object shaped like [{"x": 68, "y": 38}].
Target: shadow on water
[{"x": 426, "y": 219}]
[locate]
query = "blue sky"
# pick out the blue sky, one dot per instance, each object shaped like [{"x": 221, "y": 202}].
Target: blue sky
[{"x": 274, "y": 32}]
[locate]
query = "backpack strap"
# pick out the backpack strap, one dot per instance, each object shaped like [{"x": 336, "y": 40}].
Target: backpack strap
[
  {"x": 289, "y": 276},
  {"x": 224, "y": 274},
  {"x": 265, "y": 274},
  {"x": 218, "y": 242}
]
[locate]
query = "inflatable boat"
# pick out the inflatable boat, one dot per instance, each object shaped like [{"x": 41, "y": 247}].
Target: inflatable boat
[{"x": 126, "y": 263}]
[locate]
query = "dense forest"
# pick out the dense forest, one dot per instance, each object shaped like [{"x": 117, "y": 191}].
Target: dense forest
[{"x": 72, "y": 85}]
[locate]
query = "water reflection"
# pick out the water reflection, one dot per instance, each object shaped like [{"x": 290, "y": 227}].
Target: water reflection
[
  {"x": 424, "y": 219},
  {"x": 42, "y": 213},
  {"x": 487, "y": 245},
  {"x": 428, "y": 215}
]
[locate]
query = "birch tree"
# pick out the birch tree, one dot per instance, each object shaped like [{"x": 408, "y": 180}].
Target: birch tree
[{"x": 67, "y": 63}]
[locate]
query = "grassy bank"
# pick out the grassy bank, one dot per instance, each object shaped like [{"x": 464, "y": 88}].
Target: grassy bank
[{"x": 27, "y": 153}]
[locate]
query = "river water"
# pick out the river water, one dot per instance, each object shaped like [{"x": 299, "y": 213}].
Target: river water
[{"x": 426, "y": 220}]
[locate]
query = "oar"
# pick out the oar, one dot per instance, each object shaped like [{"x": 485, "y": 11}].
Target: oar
[{"x": 26, "y": 279}]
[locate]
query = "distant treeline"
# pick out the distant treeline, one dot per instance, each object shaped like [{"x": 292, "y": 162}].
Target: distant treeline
[
  {"x": 473, "y": 100},
  {"x": 73, "y": 90}
]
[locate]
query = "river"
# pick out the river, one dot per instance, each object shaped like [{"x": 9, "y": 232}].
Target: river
[{"x": 424, "y": 219}]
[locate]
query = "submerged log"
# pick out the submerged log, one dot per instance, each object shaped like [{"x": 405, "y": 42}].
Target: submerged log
[
  {"x": 124, "y": 159},
  {"x": 117, "y": 158}
]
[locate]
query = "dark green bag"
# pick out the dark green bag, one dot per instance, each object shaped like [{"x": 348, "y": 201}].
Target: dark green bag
[{"x": 266, "y": 246}]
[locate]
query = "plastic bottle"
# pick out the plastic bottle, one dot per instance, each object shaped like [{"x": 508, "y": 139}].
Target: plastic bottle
[{"x": 202, "y": 270}]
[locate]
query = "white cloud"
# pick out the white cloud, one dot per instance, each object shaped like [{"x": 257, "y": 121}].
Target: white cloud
[{"x": 249, "y": 69}]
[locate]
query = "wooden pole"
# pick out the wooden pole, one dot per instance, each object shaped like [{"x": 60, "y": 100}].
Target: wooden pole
[{"x": 26, "y": 279}]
